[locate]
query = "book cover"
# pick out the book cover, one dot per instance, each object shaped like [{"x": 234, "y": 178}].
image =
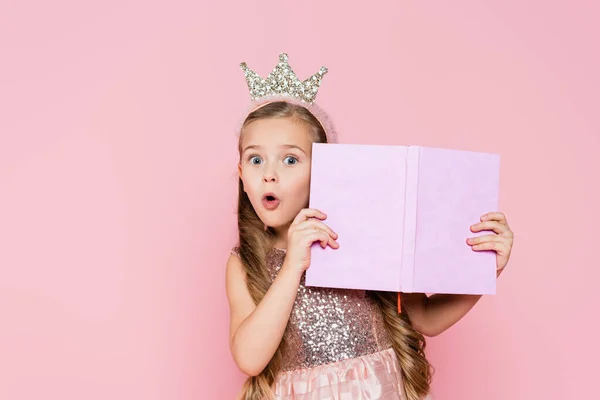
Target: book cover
[{"x": 403, "y": 214}]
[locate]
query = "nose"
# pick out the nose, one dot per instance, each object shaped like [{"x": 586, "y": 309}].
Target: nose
[
  {"x": 269, "y": 178},
  {"x": 270, "y": 175}
]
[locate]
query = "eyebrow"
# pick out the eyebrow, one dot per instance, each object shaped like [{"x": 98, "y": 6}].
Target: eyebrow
[{"x": 286, "y": 146}]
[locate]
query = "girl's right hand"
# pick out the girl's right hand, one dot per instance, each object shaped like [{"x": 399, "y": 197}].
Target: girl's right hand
[{"x": 303, "y": 232}]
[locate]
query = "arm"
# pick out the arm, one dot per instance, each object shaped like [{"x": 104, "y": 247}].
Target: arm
[
  {"x": 434, "y": 314},
  {"x": 256, "y": 330}
]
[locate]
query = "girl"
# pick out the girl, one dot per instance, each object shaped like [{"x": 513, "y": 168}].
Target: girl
[{"x": 298, "y": 342}]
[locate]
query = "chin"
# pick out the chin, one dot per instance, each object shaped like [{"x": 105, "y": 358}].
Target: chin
[
  {"x": 274, "y": 221},
  {"x": 274, "y": 224}
]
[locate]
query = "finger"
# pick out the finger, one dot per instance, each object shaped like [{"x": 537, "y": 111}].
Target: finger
[
  {"x": 485, "y": 238},
  {"x": 490, "y": 226},
  {"x": 307, "y": 213},
  {"x": 313, "y": 223},
  {"x": 494, "y": 216},
  {"x": 318, "y": 235},
  {"x": 495, "y": 246},
  {"x": 314, "y": 235},
  {"x": 321, "y": 236}
]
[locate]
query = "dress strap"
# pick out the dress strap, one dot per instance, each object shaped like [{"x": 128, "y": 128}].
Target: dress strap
[{"x": 235, "y": 251}]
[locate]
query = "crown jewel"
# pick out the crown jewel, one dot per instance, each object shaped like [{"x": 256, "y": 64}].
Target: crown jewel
[{"x": 283, "y": 80}]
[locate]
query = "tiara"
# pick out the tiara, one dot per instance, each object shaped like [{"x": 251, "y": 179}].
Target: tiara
[
  {"x": 283, "y": 81},
  {"x": 282, "y": 84}
]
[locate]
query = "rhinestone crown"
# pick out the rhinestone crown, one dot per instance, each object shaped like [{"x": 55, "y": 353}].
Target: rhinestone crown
[{"x": 283, "y": 80}]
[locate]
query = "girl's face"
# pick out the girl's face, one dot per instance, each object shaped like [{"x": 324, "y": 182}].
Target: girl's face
[{"x": 275, "y": 168}]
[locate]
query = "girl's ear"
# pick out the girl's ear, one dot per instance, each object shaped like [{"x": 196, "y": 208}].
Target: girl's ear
[{"x": 240, "y": 174}]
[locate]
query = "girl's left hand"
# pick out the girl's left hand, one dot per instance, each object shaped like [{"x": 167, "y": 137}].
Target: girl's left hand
[{"x": 501, "y": 242}]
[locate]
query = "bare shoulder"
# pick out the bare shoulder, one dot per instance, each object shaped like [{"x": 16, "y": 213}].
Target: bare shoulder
[
  {"x": 234, "y": 261},
  {"x": 234, "y": 273},
  {"x": 240, "y": 301}
]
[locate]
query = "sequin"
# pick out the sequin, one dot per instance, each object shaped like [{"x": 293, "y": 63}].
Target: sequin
[
  {"x": 329, "y": 325},
  {"x": 283, "y": 80}
]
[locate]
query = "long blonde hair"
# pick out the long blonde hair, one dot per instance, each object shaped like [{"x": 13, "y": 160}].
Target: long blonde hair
[{"x": 254, "y": 244}]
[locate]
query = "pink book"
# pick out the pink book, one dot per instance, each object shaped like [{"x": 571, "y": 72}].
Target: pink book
[{"x": 403, "y": 214}]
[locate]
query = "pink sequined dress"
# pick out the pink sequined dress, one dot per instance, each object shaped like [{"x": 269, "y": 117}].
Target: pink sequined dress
[{"x": 336, "y": 346}]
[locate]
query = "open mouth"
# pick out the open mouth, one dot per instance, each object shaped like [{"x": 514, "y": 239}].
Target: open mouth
[{"x": 270, "y": 201}]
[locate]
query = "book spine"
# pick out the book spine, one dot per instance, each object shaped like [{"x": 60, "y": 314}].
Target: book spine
[{"x": 410, "y": 219}]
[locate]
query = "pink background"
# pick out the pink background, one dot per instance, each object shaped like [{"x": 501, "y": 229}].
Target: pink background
[{"x": 117, "y": 179}]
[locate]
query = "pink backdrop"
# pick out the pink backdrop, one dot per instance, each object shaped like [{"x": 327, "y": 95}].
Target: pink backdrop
[{"x": 117, "y": 179}]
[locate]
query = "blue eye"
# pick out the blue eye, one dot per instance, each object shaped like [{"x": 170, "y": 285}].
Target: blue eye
[
  {"x": 290, "y": 160},
  {"x": 255, "y": 160}
]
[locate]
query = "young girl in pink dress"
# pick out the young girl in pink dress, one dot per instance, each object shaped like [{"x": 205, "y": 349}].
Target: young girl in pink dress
[{"x": 298, "y": 342}]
